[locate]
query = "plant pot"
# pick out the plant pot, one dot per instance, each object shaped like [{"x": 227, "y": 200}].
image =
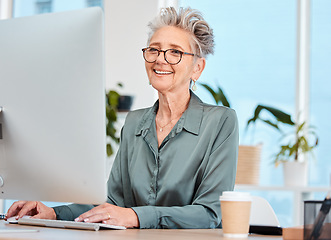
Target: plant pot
[
  {"x": 248, "y": 167},
  {"x": 295, "y": 173},
  {"x": 124, "y": 103}
]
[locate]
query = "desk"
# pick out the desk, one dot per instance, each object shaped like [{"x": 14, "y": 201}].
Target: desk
[
  {"x": 144, "y": 234},
  {"x": 300, "y": 194}
]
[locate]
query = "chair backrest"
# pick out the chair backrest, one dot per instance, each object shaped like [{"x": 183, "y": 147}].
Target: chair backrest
[{"x": 262, "y": 213}]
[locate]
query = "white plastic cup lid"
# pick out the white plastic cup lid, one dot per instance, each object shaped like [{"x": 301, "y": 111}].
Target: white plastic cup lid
[{"x": 235, "y": 196}]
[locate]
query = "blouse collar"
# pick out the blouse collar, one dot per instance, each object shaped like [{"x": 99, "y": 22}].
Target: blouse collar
[{"x": 190, "y": 120}]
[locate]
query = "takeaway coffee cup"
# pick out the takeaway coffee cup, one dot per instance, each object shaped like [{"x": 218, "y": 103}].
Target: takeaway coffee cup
[{"x": 236, "y": 209}]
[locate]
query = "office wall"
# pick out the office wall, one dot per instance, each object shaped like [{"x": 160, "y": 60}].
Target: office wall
[{"x": 125, "y": 35}]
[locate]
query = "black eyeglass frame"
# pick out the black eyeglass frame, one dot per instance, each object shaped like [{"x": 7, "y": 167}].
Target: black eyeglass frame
[{"x": 164, "y": 51}]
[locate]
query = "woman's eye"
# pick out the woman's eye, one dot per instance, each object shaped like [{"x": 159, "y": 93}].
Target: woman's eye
[
  {"x": 152, "y": 50},
  {"x": 175, "y": 52}
]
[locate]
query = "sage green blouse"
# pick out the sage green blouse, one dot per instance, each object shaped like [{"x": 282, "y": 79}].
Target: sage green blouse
[{"x": 178, "y": 184}]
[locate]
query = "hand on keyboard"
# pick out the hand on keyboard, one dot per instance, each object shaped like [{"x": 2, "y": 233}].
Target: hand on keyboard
[
  {"x": 110, "y": 214},
  {"x": 32, "y": 208}
]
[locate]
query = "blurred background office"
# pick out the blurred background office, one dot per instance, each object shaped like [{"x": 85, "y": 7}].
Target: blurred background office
[{"x": 256, "y": 61}]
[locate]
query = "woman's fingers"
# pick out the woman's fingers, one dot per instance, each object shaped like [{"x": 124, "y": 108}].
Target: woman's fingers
[
  {"x": 27, "y": 209},
  {"x": 15, "y": 209},
  {"x": 98, "y": 214},
  {"x": 94, "y": 211},
  {"x": 31, "y": 208},
  {"x": 44, "y": 212},
  {"x": 100, "y": 217},
  {"x": 112, "y": 215},
  {"x": 123, "y": 217}
]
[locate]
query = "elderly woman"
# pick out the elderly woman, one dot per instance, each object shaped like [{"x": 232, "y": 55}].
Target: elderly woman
[{"x": 176, "y": 157}]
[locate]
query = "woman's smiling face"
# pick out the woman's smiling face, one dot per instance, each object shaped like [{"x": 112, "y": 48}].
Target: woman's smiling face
[{"x": 163, "y": 76}]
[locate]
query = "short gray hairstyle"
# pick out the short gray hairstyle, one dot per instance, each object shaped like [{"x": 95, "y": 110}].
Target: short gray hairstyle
[{"x": 189, "y": 20}]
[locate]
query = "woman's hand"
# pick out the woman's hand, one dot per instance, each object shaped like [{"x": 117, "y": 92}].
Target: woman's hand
[
  {"x": 111, "y": 214},
  {"x": 34, "y": 209}
]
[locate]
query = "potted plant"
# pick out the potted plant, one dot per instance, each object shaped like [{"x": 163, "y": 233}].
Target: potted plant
[
  {"x": 248, "y": 166},
  {"x": 300, "y": 140},
  {"x": 288, "y": 153},
  {"x": 115, "y": 103},
  {"x": 111, "y": 117},
  {"x": 298, "y": 144}
]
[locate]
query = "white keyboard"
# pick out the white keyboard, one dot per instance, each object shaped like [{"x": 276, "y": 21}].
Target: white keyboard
[{"x": 67, "y": 224}]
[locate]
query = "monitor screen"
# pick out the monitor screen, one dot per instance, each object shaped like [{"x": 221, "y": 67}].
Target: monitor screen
[{"x": 52, "y": 101}]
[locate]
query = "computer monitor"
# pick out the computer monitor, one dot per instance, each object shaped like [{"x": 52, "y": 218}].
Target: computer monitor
[{"x": 52, "y": 96}]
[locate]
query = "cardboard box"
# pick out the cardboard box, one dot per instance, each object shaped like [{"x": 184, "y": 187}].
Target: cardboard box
[{"x": 293, "y": 233}]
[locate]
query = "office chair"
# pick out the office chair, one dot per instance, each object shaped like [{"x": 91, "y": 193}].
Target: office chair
[{"x": 263, "y": 219}]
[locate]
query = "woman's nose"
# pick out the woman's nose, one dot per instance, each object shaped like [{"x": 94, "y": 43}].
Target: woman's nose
[{"x": 161, "y": 58}]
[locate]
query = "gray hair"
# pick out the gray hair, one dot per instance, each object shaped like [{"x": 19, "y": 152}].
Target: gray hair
[{"x": 189, "y": 20}]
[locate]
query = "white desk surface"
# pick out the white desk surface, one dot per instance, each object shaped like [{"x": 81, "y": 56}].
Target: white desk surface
[{"x": 145, "y": 234}]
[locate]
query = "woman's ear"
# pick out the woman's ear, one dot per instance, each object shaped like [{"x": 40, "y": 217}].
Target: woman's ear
[{"x": 199, "y": 66}]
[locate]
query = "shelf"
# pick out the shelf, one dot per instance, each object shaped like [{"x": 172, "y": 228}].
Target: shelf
[
  {"x": 300, "y": 194},
  {"x": 282, "y": 188}
]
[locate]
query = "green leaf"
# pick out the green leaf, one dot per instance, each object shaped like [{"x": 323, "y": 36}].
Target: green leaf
[
  {"x": 223, "y": 98},
  {"x": 211, "y": 91},
  {"x": 300, "y": 128},
  {"x": 112, "y": 115},
  {"x": 279, "y": 115},
  {"x": 113, "y": 97},
  {"x": 109, "y": 150},
  {"x": 271, "y": 123},
  {"x": 218, "y": 96}
]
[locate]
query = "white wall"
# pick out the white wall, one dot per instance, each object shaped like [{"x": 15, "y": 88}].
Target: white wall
[{"x": 125, "y": 35}]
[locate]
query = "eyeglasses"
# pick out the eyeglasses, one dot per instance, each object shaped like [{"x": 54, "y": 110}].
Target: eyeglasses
[{"x": 172, "y": 56}]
